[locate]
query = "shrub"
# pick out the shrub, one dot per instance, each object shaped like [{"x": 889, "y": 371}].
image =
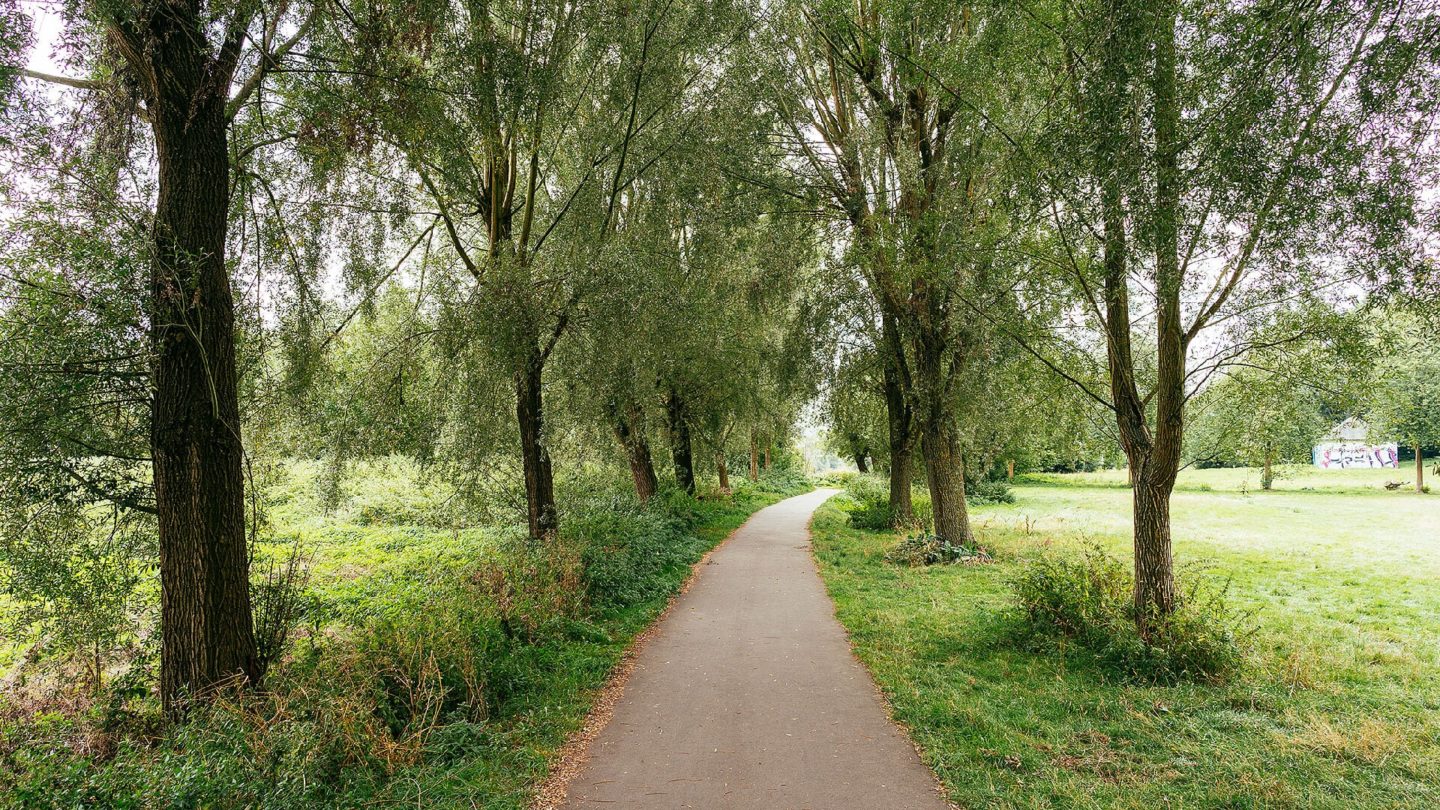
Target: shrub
[
  {"x": 1089, "y": 601},
  {"x": 836, "y": 478},
  {"x": 629, "y": 552},
  {"x": 986, "y": 490},
  {"x": 931, "y": 549},
  {"x": 870, "y": 509}
]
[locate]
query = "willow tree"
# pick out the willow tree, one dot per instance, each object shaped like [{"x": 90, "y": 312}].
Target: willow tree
[
  {"x": 525, "y": 125},
  {"x": 1216, "y": 162},
  {"x": 916, "y": 107},
  {"x": 188, "y": 70}
]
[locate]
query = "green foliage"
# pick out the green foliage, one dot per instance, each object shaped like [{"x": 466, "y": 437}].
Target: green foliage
[
  {"x": 869, "y": 501},
  {"x": 869, "y": 506},
  {"x": 988, "y": 490},
  {"x": 80, "y": 580},
  {"x": 1405, "y": 404},
  {"x": 413, "y": 650},
  {"x": 926, "y": 548},
  {"x": 1089, "y": 601},
  {"x": 632, "y": 553}
]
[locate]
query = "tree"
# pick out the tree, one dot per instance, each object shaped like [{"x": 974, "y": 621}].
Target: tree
[
  {"x": 183, "y": 59},
  {"x": 1405, "y": 403},
  {"x": 528, "y": 127},
  {"x": 1244, "y": 141},
  {"x": 920, "y": 173}
]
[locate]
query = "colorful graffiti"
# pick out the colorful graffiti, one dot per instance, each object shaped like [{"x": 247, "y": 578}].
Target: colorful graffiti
[{"x": 1351, "y": 455}]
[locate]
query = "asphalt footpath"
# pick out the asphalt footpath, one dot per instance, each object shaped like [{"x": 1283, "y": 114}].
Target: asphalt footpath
[{"x": 747, "y": 696}]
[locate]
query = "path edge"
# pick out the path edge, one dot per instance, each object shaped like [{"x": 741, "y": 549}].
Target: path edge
[
  {"x": 570, "y": 760},
  {"x": 889, "y": 709}
]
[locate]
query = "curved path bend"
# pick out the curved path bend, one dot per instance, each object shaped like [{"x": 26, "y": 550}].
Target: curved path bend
[{"x": 748, "y": 696}]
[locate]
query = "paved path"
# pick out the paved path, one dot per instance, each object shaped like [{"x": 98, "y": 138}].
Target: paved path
[{"x": 748, "y": 696}]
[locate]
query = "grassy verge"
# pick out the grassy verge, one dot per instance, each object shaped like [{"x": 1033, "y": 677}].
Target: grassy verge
[
  {"x": 438, "y": 663},
  {"x": 1339, "y": 706}
]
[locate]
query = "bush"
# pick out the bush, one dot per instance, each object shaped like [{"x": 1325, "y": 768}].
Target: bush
[
  {"x": 986, "y": 490},
  {"x": 931, "y": 549},
  {"x": 836, "y": 478},
  {"x": 630, "y": 553},
  {"x": 870, "y": 508},
  {"x": 1089, "y": 601}
]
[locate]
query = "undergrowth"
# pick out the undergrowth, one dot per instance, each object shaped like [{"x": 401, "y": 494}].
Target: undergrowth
[
  {"x": 869, "y": 501},
  {"x": 429, "y": 664},
  {"x": 1088, "y": 600}
]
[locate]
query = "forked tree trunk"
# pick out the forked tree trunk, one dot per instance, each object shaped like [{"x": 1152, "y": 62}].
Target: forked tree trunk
[
  {"x": 630, "y": 432},
  {"x": 1152, "y": 456},
  {"x": 1154, "y": 574},
  {"x": 754, "y": 458},
  {"x": 724, "y": 473},
  {"x": 535, "y": 456},
  {"x": 207, "y": 631},
  {"x": 680, "y": 446},
  {"x": 945, "y": 474}
]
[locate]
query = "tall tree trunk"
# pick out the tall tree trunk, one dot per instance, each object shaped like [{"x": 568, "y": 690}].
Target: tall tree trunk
[
  {"x": 1154, "y": 575},
  {"x": 1154, "y": 568},
  {"x": 630, "y": 432},
  {"x": 939, "y": 434},
  {"x": 1267, "y": 475},
  {"x": 680, "y": 446},
  {"x": 900, "y": 424},
  {"x": 754, "y": 458},
  {"x": 945, "y": 474},
  {"x": 535, "y": 456},
  {"x": 207, "y": 630},
  {"x": 724, "y": 473},
  {"x": 1419, "y": 467},
  {"x": 1010, "y": 470},
  {"x": 767, "y": 458}
]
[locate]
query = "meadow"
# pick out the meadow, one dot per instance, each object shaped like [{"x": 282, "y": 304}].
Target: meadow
[{"x": 1337, "y": 705}]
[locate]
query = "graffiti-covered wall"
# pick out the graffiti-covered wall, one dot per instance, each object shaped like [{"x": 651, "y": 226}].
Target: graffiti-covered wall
[{"x": 1349, "y": 455}]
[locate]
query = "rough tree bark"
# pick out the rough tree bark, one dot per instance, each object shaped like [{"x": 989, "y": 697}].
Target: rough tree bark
[
  {"x": 1154, "y": 570},
  {"x": 681, "y": 452},
  {"x": 1267, "y": 474},
  {"x": 723, "y": 472},
  {"x": 1153, "y": 455},
  {"x": 945, "y": 475},
  {"x": 207, "y": 631},
  {"x": 900, "y": 426},
  {"x": 535, "y": 456},
  {"x": 754, "y": 458},
  {"x": 630, "y": 432}
]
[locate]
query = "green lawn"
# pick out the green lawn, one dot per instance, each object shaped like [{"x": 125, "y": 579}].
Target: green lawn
[
  {"x": 1339, "y": 708},
  {"x": 1288, "y": 478}
]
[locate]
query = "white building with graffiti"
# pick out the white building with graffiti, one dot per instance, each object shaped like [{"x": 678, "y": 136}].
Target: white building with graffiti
[{"x": 1348, "y": 446}]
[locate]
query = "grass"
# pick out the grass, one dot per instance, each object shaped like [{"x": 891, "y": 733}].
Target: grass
[
  {"x": 1338, "y": 708},
  {"x": 390, "y": 551},
  {"x": 1288, "y": 478}
]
